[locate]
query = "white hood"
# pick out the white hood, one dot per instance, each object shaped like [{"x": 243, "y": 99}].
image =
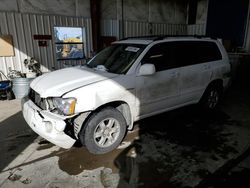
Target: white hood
[{"x": 62, "y": 81}]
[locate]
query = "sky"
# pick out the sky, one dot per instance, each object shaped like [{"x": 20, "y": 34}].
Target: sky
[{"x": 69, "y": 32}]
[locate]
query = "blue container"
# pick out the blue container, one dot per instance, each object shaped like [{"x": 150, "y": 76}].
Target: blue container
[{"x": 5, "y": 84}]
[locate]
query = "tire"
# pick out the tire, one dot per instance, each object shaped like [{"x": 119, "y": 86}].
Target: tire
[
  {"x": 103, "y": 131},
  {"x": 211, "y": 98}
]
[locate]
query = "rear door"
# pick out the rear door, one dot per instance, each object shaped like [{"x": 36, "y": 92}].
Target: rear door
[{"x": 195, "y": 59}]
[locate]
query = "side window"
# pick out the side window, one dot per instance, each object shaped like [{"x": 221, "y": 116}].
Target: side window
[
  {"x": 184, "y": 53},
  {"x": 181, "y": 53},
  {"x": 195, "y": 52},
  {"x": 208, "y": 51},
  {"x": 161, "y": 56}
]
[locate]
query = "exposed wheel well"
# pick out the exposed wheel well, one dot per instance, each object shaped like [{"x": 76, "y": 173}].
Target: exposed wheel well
[
  {"x": 99, "y": 136},
  {"x": 216, "y": 83},
  {"x": 79, "y": 121}
]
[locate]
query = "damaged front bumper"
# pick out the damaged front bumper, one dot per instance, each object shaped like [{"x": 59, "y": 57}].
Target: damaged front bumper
[{"x": 46, "y": 124}]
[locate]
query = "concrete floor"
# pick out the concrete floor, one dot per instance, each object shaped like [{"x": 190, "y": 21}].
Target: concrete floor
[{"x": 182, "y": 148}]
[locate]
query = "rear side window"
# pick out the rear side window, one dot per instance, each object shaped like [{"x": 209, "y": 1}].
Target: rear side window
[
  {"x": 195, "y": 52},
  {"x": 208, "y": 51},
  {"x": 181, "y": 53}
]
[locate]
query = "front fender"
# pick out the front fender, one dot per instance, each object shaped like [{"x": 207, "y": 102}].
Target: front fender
[{"x": 93, "y": 96}]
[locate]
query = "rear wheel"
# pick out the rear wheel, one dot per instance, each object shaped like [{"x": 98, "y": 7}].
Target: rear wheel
[
  {"x": 103, "y": 131},
  {"x": 211, "y": 97}
]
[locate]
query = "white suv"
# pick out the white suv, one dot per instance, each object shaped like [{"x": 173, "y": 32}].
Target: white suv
[{"x": 132, "y": 79}]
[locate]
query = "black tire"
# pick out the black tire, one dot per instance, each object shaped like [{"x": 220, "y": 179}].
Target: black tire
[
  {"x": 211, "y": 98},
  {"x": 99, "y": 135}
]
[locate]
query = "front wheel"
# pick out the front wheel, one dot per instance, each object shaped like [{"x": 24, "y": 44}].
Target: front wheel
[{"x": 103, "y": 131}]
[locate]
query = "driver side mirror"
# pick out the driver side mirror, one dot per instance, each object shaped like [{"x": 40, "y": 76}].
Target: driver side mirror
[{"x": 147, "y": 69}]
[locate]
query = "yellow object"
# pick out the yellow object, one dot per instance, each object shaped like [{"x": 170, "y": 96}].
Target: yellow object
[
  {"x": 67, "y": 47},
  {"x": 72, "y": 107},
  {"x": 73, "y": 39}
]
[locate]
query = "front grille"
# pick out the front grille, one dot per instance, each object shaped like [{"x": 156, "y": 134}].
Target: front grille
[{"x": 35, "y": 98}]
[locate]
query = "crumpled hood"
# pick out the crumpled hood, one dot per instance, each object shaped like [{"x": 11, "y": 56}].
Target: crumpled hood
[{"x": 59, "y": 82}]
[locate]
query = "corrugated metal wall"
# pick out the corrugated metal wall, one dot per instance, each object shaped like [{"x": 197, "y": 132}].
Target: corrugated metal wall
[
  {"x": 110, "y": 28},
  {"x": 169, "y": 29},
  {"x": 22, "y": 27},
  {"x": 144, "y": 28},
  {"x": 196, "y": 29},
  {"x": 134, "y": 28}
]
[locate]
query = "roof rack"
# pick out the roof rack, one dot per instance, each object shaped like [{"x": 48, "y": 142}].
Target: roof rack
[
  {"x": 161, "y": 37},
  {"x": 145, "y": 37}
]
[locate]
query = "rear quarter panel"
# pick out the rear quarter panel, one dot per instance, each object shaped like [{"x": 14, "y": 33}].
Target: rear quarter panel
[{"x": 222, "y": 67}]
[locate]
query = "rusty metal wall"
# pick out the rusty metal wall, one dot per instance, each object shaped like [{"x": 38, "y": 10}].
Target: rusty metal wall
[{"x": 22, "y": 27}]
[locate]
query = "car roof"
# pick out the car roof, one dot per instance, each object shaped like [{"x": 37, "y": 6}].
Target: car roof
[
  {"x": 149, "y": 39},
  {"x": 133, "y": 41}
]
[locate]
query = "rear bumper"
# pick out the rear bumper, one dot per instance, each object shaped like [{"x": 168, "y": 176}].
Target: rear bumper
[{"x": 46, "y": 124}]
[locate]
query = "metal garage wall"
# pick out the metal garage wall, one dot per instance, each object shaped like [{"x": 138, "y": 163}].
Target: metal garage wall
[
  {"x": 169, "y": 29},
  {"x": 110, "y": 28},
  {"x": 135, "y": 28},
  {"x": 196, "y": 29},
  {"x": 22, "y": 27}
]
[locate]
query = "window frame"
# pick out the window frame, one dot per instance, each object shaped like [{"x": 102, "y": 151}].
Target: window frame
[{"x": 83, "y": 43}]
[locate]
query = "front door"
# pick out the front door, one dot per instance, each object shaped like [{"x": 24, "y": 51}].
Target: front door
[{"x": 160, "y": 91}]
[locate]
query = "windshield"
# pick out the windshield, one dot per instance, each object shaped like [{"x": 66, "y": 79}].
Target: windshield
[{"x": 117, "y": 58}]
